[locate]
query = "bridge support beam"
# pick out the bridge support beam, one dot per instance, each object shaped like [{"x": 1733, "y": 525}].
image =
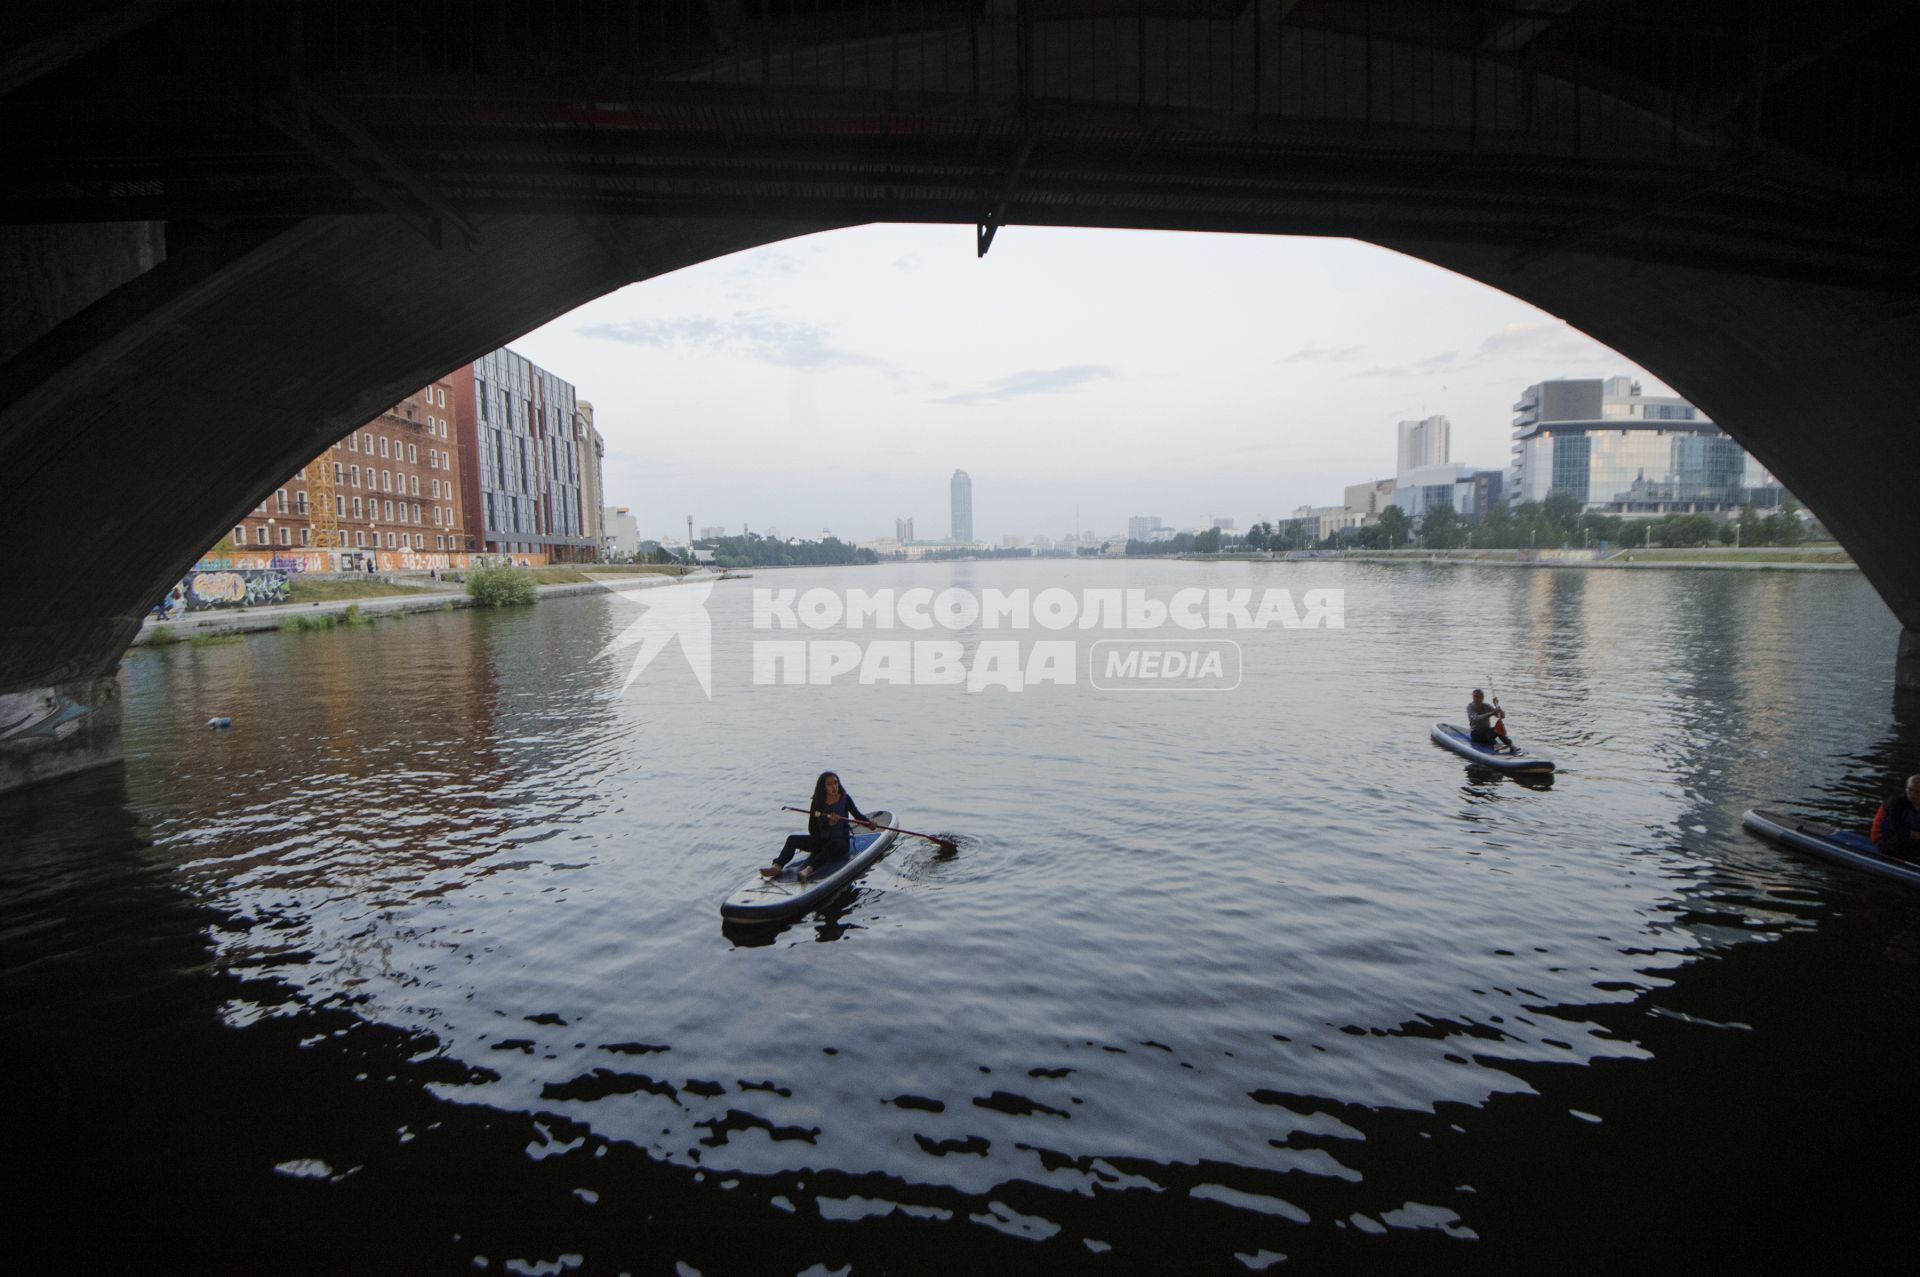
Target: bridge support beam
[{"x": 49, "y": 732}]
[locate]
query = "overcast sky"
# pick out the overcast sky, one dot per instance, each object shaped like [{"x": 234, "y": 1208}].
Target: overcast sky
[{"x": 836, "y": 381}]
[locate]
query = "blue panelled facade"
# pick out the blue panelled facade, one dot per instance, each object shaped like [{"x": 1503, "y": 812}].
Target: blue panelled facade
[{"x": 525, "y": 430}]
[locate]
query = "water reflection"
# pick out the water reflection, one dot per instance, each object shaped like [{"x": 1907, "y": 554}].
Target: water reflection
[{"x": 422, "y": 955}]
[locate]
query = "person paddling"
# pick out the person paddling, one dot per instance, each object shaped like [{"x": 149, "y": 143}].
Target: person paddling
[
  {"x": 1896, "y": 826},
  {"x": 1486, "y": 724},
  {"x": 829, "y": 836}
]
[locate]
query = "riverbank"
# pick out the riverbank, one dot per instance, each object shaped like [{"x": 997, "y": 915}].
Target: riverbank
[
  {"x": 442, "y": 597},
  {"x": 1719, "y": 558}
]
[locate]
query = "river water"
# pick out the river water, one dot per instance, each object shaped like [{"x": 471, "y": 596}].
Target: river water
[{"x": 419, "y": 967}]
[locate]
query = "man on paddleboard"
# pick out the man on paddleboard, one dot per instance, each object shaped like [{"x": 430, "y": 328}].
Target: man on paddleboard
[{"x": 1485, "y": 723}]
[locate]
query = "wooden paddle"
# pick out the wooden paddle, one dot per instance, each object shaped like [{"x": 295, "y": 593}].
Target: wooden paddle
[{"x": 944, "y": 844}]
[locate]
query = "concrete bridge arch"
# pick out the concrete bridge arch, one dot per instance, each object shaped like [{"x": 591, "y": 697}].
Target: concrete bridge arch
[{"x": 200, "y": 301}]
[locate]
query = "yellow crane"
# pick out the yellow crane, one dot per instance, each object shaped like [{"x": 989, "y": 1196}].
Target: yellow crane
[{"x": 320, "y": 514}]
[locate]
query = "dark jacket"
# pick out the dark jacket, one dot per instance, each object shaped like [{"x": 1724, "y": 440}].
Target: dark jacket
[
  {"x": 1896, "y": 828},
  {"x": 834, "y": 837}
]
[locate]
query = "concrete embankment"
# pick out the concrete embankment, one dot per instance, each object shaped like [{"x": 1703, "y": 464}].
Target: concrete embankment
[{"x": 253, "y": 620}]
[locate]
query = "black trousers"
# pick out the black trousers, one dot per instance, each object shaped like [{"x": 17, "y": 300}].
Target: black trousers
[{"x": 816, "y": 856}]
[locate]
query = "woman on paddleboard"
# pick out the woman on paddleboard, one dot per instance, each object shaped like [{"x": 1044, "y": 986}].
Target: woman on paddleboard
[{"x": 829, "y": 836}]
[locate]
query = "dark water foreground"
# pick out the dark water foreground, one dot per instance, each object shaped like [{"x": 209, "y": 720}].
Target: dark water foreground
[{"x": 418, "y": 968}]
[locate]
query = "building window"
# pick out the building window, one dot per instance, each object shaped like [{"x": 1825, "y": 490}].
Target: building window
[
  {"x": 359, "y": 540},
  {"x": 436, "y": 517},
  {"x": 353, "y": 443},
  {"x": 356, "y": 507},
  {"x": 383, "y": 445},
  {"x": 386, "y": 481},
  {"x": 260, "y": 536},
  {"x": 441, "y": 393},
  {"x": 339, "y": 474},
  {"x": 416, "y": 512},
  {"x": 286, "y": 535},
  {"x": 339, "y": 507},
  {"x": 414, "y": 483},
  {"x": 240, "y": 535},
  {"x": 355, "y": 472},
  {"x": 300, "y": 500},
  {"x": 389, "y": 512},
  {"x": 369, "y": 438},
  {"x": 413, "y": 454},
  {"x": 306, "y": 536},
  {"x": 390, "y": 543},
  {"x": 280, "y": 500}
]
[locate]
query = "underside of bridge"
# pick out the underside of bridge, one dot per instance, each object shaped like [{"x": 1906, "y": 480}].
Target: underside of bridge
[{"x": 230, "y": 231}]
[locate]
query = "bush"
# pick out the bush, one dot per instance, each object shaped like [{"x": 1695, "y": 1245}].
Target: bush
[
  {"x": 316, "y": 621},
  {"x": 500, "y": 587}
]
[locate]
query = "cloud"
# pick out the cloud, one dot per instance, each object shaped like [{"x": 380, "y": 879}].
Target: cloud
[
  {"x": 1552, "y": 340},
  {"x": 1314, "y": 352},
  {"x": 744, "y": 335},
  {"x": 1432, "y": 365},
  {"x": 1032, "y": 381}
]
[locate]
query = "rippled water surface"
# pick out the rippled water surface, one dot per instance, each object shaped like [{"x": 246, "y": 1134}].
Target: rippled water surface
[{"x": 420, "y": 968}]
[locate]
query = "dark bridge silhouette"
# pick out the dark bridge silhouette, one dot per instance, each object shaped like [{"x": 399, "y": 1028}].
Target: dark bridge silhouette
[{"x": 234, "y": 229}]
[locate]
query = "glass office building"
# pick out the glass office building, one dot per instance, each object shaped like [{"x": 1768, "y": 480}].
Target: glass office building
[{"x": 1619, "y": 451}]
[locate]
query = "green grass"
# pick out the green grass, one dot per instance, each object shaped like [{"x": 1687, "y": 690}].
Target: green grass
[
  {"x": 163, "y": 635},
  {"x": 217, "y": 640},
  {"x": 1727, "y": 554},
  {"x": 304, "y": 590},
  {"x": 317, "y": 621}
]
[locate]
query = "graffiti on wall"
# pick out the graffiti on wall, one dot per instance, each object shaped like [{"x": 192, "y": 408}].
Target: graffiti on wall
[
  {"x": 283, "y": 561},
  {"x": 244, "y": 587}
]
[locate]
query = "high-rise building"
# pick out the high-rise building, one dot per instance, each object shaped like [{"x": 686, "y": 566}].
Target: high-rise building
[
  {"x": 523, "y": 473},
  {"x": 1222, "y": 523},
  {"x": 593, "y": 456},
  {"x": 1427, "y": 442},
  {"x": 394, "y": 485},
  {"x": 1140, "y": 527},
  {"x": 1614, "y": 449},
  {"x": 961, "y": 489},
  {"x": 712, "y": 532},
  {"x": 903, "y": 531}
]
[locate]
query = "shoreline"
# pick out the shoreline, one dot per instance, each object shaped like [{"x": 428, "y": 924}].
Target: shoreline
[{"x": 284, "y": 616}]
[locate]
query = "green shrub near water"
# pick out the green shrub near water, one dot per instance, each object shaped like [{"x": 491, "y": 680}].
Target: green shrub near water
[
  {"x": 500, "y": 587},
  {"x": 315, "y": 621},
  {"x": 162, "y": 637}
]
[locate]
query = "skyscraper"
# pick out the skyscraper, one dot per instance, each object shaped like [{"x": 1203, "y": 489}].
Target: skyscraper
[
  {"x": 903, "y": 531},
  {"x": 1426, "y": 442},
  {"x": 961, "y": 487}
]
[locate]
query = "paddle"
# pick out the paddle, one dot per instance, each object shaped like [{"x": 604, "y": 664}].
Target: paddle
[
  {"x": 944, "y": 844},
  {"x": 1499, "y": 716}
]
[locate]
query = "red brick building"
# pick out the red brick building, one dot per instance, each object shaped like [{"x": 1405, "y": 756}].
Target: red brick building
[{"x": 395, "y": 486}]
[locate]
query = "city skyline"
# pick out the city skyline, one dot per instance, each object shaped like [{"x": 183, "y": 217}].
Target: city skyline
[{"x": 1117, "y": 371}]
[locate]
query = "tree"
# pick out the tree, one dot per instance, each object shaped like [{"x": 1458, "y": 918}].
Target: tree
[
  {"x": 1207, "y": 542},
  {"x": 1440, "y": 529},
  {"x": 1562, "y": 512},
  {"x": 1394, "y": 526}
]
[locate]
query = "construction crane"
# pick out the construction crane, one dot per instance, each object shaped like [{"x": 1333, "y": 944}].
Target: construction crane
[{"x": 320, "y": 514}]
